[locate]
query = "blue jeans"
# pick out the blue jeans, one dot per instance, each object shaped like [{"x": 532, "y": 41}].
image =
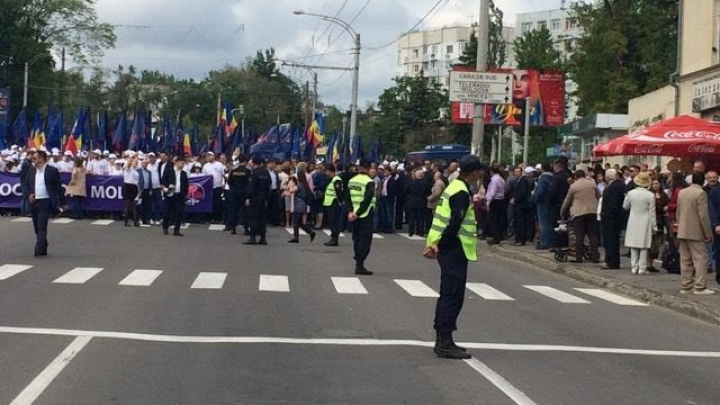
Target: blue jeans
[
  {"x": 386, "y": 212},
  {"x": 25, "y": 209},
  {"x": 546, "y": 228},
  {"x": 76, "y": 206},
  {"x": 157, "y": 205}
]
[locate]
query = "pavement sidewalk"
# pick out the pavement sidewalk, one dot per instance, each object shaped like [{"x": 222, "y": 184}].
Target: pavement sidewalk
[{"x": 659, "y": 289}]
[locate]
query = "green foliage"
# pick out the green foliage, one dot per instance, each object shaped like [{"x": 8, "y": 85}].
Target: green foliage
[
  {"x": 628, "y": 49},
  {"x": 534, "y": 50},
  {"x": 496, "y": 42}
]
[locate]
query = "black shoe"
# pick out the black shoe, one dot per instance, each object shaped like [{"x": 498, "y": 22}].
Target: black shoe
[
  {"x": 462, "y": 349},
  {"x": 294, "y": 240},
  {"x": 127, "y": 223},
  {"x": 165, "y": 232},
  {"x": 446, "y": 350},
  {"x": 233, "y": 232},
  {"x": 312, "y": 237},
  {"x": 246, "y": 233},
  {"x": 251, "y": 241},
  {"x": 331, "y": 243},
  {"x": 363, "y": 272},
  {"x": 652, "y": 269},
  {"x": 177, "y": 234},
  {"x": 39, "y": 253},
  {"x": 136, "y": 224},
  {"x": 263, "y": 241}
]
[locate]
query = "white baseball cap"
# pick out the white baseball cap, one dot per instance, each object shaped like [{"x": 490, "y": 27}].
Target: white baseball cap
[
  {"x": 68, "y": 153},
  {"x": 112, "y": 156},
  {"x": 97, "y": 152}
]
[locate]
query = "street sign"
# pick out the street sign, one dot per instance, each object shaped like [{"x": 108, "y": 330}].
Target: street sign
[{"x": 481, "y": 87}]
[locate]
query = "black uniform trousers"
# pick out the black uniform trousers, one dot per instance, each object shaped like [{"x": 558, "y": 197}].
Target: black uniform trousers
[
  {"x": 612, "y": 227},
  {"x": 257, "y": 216},
  {"x": 333, "y": 212},
  {"x": 274, "y": 207},
  {"x": 218, "y": 204},
  {"x": 41, "y": 212},
  {"x": 362, "y": 238},
  {"x": 453, "y": 277},
  {"x": 174, "y": 212},
  {"x": 146, "y": 206},
  {"x": 237, "y": 212},
  {"x": 416, "y": 221},
  {"x": 496, "y": 223},
  {"x": 399, "y": 212},
  {"x": 523, "y": 224}
]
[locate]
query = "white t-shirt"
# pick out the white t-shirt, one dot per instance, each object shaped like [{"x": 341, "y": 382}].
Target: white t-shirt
[
  {"x": 155, "y": 174},
  {"x": 41, "y": 190},
  {"x": 217, "y": 171}
]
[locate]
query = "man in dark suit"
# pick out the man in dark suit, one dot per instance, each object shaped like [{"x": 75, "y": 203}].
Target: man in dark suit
[
  {"x": 612, "y": 218},
  {"x": 175, "y": 186},
  {"x": 46, "y": 197},
  {"x": 260, "y": 183}
]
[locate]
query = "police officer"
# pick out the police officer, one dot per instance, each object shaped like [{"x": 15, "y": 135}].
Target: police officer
[
  {"x": 258, "y": 202},
  {"x": 239, "y": 181},
  {"x": 452, "y": 240},
  {"x": 332, "y": 202},
  {"x": 361, "y": 189}
]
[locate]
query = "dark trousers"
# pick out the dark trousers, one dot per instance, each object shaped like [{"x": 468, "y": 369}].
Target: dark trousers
[
  {"x": 236, "y": 210},
  {"x": 299, "y": 223},
  {"x": 496, "y": 220},
  {"x": 386, "y": 212},
  {"x": 399, "y": 212},
  {"x": 76, "y": 207},
  {"x": 157, "y": 205},
  {"x": 611, "y": 230},
  {"x": 217, "y": 204},
  {"x": 453, "y": 276},
  {"x": 333, "y": 212},
  {"x": 362, "y": 239},
  {"x": 416, "y": 221},
  {"x": 41, "y": 212},
  {"x": 146, "y": 206},
  {"x": 523, "y": 224},
  {"x": 558, "y": 240},
  {"x": 274, "y": 208},
  {"x": 174, "y": 211},
  {"x": 586, "y": 225},
  {"x": 257, "y": 217}
]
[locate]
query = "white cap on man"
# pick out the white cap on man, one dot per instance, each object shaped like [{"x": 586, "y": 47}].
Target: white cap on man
[{"x": 68, "y": 153}]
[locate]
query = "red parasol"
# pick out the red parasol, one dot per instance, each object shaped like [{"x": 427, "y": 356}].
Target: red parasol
[{"x": 682, "y": 136}]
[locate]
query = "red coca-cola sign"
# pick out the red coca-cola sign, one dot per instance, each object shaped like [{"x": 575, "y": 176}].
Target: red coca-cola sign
[
  {"x": 700, "y": 148},
  {"x": 692, "y": 135},
  {"x": 653, "y": 149}
]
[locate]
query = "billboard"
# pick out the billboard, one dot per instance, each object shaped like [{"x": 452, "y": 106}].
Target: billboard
[{"x": 546, "y": 90}]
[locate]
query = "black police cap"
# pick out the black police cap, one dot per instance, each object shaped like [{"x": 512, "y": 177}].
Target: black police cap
[{"x": 470, "y": 163}]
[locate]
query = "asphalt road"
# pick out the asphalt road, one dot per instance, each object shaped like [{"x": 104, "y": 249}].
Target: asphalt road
[{"x": 129, "y": 316}]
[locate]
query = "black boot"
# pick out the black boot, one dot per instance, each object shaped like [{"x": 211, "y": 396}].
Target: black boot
[
  {"x": 312, "y": 236},
  {"x": 250, "y": 241},
  {"x": 361, "y": 270},
  {"x": 445, "y": 348},
  {"x": 331, "y": 242},
  {"x": 263, "y": 240}
]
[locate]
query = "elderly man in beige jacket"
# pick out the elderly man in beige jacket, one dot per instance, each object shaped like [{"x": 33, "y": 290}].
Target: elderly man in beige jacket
[
  {"x": 694, "y": 232},
  {"x": 582, "y": 200}
]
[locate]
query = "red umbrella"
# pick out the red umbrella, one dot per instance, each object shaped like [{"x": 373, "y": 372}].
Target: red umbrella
[{"x": 682, "y": 136}]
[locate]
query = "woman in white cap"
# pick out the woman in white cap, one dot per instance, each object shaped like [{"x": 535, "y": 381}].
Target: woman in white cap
[
  {"x": 131, "y": 179},
  {"x": 641, "y": 224}
]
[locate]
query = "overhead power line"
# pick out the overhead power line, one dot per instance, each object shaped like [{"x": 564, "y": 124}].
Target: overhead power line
[{"x": 434, "y": 7}]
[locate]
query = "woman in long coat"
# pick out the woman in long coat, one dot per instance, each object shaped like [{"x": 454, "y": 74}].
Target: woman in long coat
[{"x": 642, "y": 223}]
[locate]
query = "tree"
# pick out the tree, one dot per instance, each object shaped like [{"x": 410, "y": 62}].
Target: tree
[
  {"x": 628, "y": 48},
  {"x": 496, "y": 43}
]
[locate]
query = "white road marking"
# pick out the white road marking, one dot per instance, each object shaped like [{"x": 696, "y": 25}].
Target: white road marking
[
  {"x": 487, "y": 292},
  {"x": 141, "y": 278},
  {"x": 378, "y": 236},
  {"x": 9, "y": 270},
  {"x": 209, "y": 281},
  {"x": 22, "y": 219},
  {"x": 414, "y": 237},
  {"x": 502, "y": 384},
  {"x": 348, "y": 285},
  {"x": 63, "y": 221},
  {"x": 291, "y": 232},
  {"x": 556, "y": 294},
  {"x": 417, "y": 288},
  {"x": 215, "y": 227},
  {"x": 615, "y": 299},
  {"x": 329, "y": 233},
  {"x": 46, "y": 377},
  {"x": 103, "y": 222},
  {"x": 143, "y": 337},
  {"x": 78, "y": 275},
  {"x": 274, "y": 283}
]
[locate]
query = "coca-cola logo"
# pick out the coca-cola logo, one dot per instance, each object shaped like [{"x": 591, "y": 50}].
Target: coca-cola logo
[
  {"x": 648, "y": 149},
  {"x": 692, "y": 135},
  {"x": 699, "y": 148}
]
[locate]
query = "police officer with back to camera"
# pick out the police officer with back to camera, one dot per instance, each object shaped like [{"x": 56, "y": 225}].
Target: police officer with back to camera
[
  {"x": 361, "y": 205},
  {"x": 257, "y": 202},
  {"x": 452, "y": 240},
  {"x": 239, "y": 182},
  {"x": 332, "y": 201}
]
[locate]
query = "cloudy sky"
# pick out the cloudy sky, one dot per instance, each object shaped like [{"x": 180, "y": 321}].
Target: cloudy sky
[{"x": 189, "y": 37}]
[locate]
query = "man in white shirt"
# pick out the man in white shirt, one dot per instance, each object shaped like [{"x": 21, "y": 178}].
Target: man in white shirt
[
  {"x": 93, "y": 163},
  {"x": 217, "y": 171},
  {"x": 66, "y": 165},
  {"x": 45, "y": 197},
  {"x": 157, "y": 202}
]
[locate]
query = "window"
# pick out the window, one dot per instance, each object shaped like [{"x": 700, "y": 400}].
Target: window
[
  {"x": 426, "y": 66},
  {"x": 434, "y": 49},
  {"x": 569, "y": 45},
  {"x": 526, "y": 27},
  {"x": 570, "y": 24},
  {"x": 542, "y": 25},
  {"x": 449, "y": 49},
  {"x": 425, "y": 50},
  {"x": 416, "y": 68},
  {"x": 415, "y": 53},
  {"x": 433, "y": 65},
  {"x": 555, "y": 25}
]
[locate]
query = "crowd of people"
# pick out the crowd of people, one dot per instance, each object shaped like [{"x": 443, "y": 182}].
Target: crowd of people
[{"x": 655, "y": 213}]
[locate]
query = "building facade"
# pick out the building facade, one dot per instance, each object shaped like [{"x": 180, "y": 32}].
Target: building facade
[
  {"x": 564, "y": 30},
  {"x": 435, "y": 51}
]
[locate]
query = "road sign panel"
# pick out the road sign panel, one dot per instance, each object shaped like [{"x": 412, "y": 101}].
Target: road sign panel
[{"x": 481, "y": 87}]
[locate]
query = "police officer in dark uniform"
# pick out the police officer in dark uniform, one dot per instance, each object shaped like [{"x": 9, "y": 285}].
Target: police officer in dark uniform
[
  {"x": 260, "y": 183},
  {"x": 453, "y": 242},
  {"x": 361, "y": 204},
  {"x": 239, "y": 182},
  {"x": 333, "y": 200}
]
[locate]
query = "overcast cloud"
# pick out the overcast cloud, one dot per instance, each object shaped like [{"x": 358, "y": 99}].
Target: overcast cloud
[{"x": 188, "y": 38}]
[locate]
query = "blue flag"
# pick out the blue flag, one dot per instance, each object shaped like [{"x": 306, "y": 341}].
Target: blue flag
[
  {"x": 20, "y": 127},
  {"x": 120, "y": 138},
  {"x": 57, "y": 131},
  {"x": 87, "y": 130},
  {"x": 138, "y": 131},
  {"x": 103, "y": 130},
  {"x": 195, "y": 139}
]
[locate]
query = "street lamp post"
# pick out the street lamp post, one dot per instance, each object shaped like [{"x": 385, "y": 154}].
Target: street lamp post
[
  {"x": 356, "y": 67},
  {"x": 27, "y": 74}
]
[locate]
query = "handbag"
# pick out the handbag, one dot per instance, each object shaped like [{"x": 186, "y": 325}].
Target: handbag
[{"x": 671, "y": 257}]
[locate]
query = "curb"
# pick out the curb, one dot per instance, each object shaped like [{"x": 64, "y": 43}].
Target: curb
[{"x": 668, "y": 301}]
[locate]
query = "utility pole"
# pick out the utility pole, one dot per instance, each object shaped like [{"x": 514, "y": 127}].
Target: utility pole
[
  {"x": 478, "y": 132},
  {"x": 62, "y": 80},
  {"x": 315, "y": 94},
  {"x": 307, "y": 104},
  {"x": 526, "y": 135}
]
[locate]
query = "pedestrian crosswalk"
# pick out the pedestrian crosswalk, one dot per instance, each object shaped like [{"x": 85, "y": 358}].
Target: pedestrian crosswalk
[{"x": 343, "y": 286}]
